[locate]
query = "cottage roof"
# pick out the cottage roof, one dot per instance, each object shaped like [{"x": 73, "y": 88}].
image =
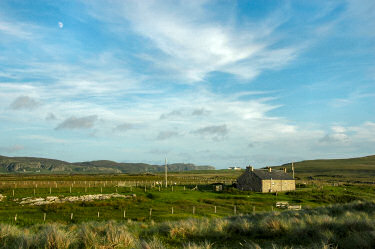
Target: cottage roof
[{"x": 264, "y": 174}]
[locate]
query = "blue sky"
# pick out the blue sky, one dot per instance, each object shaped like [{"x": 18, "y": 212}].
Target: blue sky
[{"x": 207, "y": 82}]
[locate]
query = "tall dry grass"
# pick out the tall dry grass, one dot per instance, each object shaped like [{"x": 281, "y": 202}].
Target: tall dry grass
[{"x": 340, "y": 226}]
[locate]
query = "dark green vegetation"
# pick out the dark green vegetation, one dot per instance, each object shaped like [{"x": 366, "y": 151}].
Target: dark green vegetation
[
  {"x": 43, "y": 165},
  {"x": 338, "y": 226},
  {"x": 353, "y": 169}
]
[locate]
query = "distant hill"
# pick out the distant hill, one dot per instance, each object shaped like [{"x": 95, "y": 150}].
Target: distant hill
[
  {"x": 361, "y": 167},
  {"x": 43, "y": 165}
]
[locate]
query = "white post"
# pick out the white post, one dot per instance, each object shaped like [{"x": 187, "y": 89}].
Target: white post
[
  {"x": 166, "y": 173},
  {"x": 215, "y": 209},
  {"x": 172, "y": 210},
  {"x": 71, "y": 216},
  {"x": 293, "y": 169},
  {"x": 124, "y": 214}
]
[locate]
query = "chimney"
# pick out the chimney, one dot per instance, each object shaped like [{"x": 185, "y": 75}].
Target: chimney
[
  {"x": 249, "y": 168},
  {"x": 284, "y": 170},
  {"x": 269, "y": 169}
]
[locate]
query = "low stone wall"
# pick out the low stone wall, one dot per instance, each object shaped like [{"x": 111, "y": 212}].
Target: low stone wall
[{"x": 54, "y": 199}]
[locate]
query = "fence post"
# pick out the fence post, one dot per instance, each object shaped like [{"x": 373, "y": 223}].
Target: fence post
[
  {"x": 124, "y": 214},
  {"x": 234, "y": 210},
  {"x": 98, "y": 214},
  {"x": 15, "y": 218},
  {"x": 215, "y": 209},
  {"x": 13, "y": 192},
  {"x": 172, "y": 210},
  {"x": 150, "y": 212},
  {"x": 71, "y": 216},
  {"x": 44, "y": 216},
  {"x": 193, "y": 209},
  {"x": 50, "y": 190}
]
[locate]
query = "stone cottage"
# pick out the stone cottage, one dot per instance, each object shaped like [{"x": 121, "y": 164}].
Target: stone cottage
[{"x": 265, "y": 180}]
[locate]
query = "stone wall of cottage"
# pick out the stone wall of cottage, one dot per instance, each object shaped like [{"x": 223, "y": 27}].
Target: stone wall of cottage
[
  {"x": 278, "y": 185},
  {"x": 250, "y": 182}
]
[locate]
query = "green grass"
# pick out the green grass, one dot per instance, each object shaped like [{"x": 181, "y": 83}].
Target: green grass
[
  {"x": 344, "y": 226},
  {"x": 183, "y": 202}
]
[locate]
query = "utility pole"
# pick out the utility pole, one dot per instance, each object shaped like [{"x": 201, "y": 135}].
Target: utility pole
[
  {"x": 166, "y": 173},
  {"x": 293, "y": 169}
]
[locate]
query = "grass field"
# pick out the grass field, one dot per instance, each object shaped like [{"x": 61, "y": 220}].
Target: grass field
[
  {"x": 182, "y": 198},
  {"x": 189, "y": 213},
  {"x": 338, "y": 226}
]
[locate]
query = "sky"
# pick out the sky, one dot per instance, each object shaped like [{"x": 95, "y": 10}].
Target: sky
[{"x": 222, "y": 83}]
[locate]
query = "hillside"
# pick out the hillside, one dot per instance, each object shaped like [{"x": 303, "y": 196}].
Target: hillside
[
  {"x": 43, "y": 165},
  {"x": 361, "y": 167},
  {"x": 143, "y": 167}
]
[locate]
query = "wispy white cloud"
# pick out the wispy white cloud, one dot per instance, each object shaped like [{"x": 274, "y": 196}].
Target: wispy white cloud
[
  {"x": 45, "y": 139},
  {"x": 193, "y": 45},
  {"x": 17, "y": 29}
]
